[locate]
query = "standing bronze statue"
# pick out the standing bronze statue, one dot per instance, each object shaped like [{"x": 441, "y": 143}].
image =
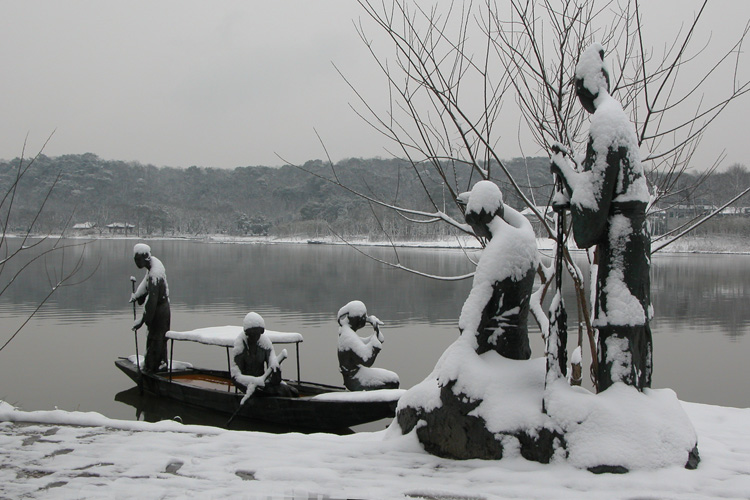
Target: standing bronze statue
[
  {"x": 608, "y": 200},
  {"x": 485, "y": 398},
  {"x": 153, "y": 294}
]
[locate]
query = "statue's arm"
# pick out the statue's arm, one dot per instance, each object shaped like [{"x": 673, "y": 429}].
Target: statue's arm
[
  {"x": 237, "y": 366},
  {"x": 591, "y": 208},
  {"x": 151, "y": 301},
  {"x": 561, "y": 168},
  {"x": 374, "y": 346}
]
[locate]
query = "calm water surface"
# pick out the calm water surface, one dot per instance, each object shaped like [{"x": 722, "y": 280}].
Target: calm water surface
[{"x": 64, "y": 357}]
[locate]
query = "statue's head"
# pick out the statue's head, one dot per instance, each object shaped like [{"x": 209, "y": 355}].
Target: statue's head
[
  {"x": 483, "y": 203},
  {"x": 142, "y": 255},
  {"x": 354, "y": 314},
  {"x": 592, "y": 77},
  {"x": 253, "y": 325}
]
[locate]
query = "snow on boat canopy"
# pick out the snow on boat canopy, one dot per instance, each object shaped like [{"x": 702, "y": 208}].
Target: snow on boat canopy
[
  {"x": 225, "y": 335},
  {"x": 319, "y": 407}
]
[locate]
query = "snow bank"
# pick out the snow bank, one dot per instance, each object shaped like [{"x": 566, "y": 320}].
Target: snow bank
[
  {"x": 96, "y": 457},
  {"x": 619, "y": 427},
  {"x": 622, "y": 426}
]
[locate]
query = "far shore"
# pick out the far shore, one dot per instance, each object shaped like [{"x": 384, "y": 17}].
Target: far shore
[{"x": 712, "y": 244}]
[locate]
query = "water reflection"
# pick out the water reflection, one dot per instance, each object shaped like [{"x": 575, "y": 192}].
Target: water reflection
[
  {"x": 65, "y": 355},
  {"x": 702, "y": 292},
  {"x": 312, "y": 281}
]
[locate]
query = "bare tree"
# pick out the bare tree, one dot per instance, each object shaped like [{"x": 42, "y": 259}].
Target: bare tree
[
  {"x": 19, "y": 253},
  {"x": 454, "y": 69}
]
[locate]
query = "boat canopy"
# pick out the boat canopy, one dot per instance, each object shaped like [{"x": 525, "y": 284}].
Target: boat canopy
[{"x": 225, "y": 336}]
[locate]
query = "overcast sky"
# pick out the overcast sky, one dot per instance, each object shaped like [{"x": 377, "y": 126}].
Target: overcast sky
[{"x": 229, "y": 83}]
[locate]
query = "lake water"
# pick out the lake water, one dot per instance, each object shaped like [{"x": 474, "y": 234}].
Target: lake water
[{"x": 65, "y": 356}]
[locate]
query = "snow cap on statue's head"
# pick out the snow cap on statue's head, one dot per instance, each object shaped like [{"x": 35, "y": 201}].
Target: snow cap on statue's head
[
  {"x": 484, "y": 196},
  {"x": 253, "y": 320},
  {"x": 142, "y": 249},
  {"x": 592, "y": 75},
  {"x": 355, "y": 308}
]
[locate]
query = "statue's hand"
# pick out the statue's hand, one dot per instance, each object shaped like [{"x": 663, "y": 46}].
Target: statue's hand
[
  {"x": 561, "y": 168},
  {"x": 374, "y": 321},
  {"x": 560, "y": 158},
  {"x": 559, "y": 148}
]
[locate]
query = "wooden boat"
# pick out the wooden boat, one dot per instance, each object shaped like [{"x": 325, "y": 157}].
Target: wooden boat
[{"x": 319, "y": 407}]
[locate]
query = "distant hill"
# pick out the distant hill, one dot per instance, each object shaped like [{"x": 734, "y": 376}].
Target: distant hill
[
  {"x": 257, "y": 199},
  {"x": 244, "y": 200}
]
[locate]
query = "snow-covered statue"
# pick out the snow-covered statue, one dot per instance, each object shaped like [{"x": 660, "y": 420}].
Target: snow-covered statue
[
  {"x": 457, "y": 411},
  {"x": 357, "y": 354},
  {"x": 608, "y": 199},
  {"x": 497, "y": 308},
  {"x": 252, "y": 356},
  {"x": 486, "y": 399},
  {"x": 153, "y": 294}
]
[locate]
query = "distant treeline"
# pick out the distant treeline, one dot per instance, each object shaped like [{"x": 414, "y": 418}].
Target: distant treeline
[{"x": 263, "y": 200}]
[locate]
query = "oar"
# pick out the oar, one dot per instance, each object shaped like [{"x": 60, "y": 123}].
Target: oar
[
  {"x": 135, "y": 333},
  {"x": 251, "y": 388}
]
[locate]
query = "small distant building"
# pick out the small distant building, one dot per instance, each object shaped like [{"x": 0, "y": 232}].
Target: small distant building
[
  {"x": 735, "y": 211},
  {"x": 120, "y": 228},
  {"x": 84, "y": 227},
  {"x": 690, "y": 211}
]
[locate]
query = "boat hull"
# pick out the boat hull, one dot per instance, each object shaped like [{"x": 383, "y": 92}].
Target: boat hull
[{"x": 212, "y": 389}]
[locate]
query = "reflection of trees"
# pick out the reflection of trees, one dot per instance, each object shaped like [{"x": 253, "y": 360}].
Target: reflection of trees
[
  {"x": 687, "y": 291},
  {"x": 313, "y": 280},
  {"x": 18, "y": 256},
  {"x": 701, "y": 291}
]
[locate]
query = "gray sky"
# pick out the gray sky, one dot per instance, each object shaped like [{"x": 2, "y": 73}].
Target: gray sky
[{"x": 230, "y": 83}]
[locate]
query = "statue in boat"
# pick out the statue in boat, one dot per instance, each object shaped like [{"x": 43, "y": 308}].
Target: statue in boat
[
  {"x": 252, "y": 356},
  {"x": 357, "y": 354},
  {"x": 153, "y": 294}
]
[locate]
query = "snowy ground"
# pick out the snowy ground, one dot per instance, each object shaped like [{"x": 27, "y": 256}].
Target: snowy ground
[{"x": 66, "y": 455}]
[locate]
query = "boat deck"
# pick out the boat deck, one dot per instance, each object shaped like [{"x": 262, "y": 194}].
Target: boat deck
[{"x": 205, "y": 381}]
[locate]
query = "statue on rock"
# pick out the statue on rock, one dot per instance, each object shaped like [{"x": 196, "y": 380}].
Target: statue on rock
[
  {"x": 357, "y": 355},
  {"x": 608, "y": 200},
  {"x": 462, "y": 403},
  {"x": 497, "y": 309},
  {"x": 486, "y": 398}
]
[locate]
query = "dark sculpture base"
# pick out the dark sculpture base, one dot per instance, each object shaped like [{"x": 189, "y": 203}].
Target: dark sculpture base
[
  {"x": 614, "y": 432},
  {"x": 451, "y": 432}
]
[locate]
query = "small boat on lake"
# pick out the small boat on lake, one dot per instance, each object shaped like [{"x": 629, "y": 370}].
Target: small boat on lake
[{"x": 318, "y": 407}]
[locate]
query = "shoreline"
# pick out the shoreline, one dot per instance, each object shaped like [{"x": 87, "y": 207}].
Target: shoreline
[{"x": 712, "y": 245}]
